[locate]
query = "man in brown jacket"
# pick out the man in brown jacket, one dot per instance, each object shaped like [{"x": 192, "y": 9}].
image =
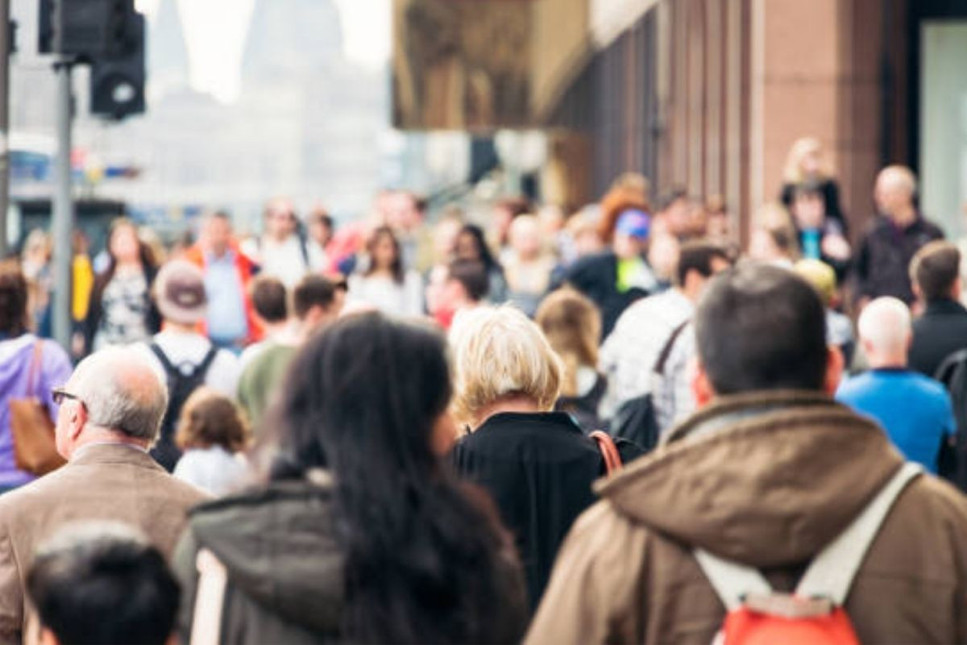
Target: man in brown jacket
[
  {"x": 110, "y": 414},
  {"x": 766, "y": 473}
]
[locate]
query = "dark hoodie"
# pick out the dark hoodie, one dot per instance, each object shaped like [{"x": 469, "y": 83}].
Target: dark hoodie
[
  {"x": 765, "y": 480},
  {"x": 285, "y": 568}
]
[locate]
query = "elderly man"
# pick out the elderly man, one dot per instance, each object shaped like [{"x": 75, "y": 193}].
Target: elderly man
[
  {"x": 886, "y": 251},
  {"x": 766, "y": 474},
  {"x": 110, "y": 414},
  {"x": 914, "y": 410}
]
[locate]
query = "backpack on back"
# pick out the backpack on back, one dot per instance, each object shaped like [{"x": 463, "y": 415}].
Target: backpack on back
[
  {"x": 183, "y": 379},
  {"x": 814, "y": 613},
  {"x": 636, "y": 420}
]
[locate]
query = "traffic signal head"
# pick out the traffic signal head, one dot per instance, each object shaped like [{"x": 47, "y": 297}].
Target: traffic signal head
[{"x": 117, "y": 83}]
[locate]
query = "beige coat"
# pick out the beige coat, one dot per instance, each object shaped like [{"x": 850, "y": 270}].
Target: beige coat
[
  {"x": 111, "y": 482},
  {"x": 767, "y": 481}
]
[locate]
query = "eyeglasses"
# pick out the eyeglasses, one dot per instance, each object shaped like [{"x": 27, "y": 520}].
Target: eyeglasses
[{"x": 58, "y": 394}]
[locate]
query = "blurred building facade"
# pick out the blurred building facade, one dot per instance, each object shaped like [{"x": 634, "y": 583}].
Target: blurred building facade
[{"x": 710, "y": 94}]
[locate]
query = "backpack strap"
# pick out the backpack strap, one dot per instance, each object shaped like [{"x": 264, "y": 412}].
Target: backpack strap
[
  {"x": 163, "y": 358},
  {"x": 832, "y": 571},
  {"x": 207, "y": 361},
  {"x": 732, "y": 582},
  {"x": 666, "y": 350},
  {"x": 35, "y": 362}
]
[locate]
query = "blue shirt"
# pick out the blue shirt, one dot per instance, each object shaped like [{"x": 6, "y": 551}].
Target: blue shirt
[
  {"x": 226, "y": 302},
  {"x": 914, "y": 410}
]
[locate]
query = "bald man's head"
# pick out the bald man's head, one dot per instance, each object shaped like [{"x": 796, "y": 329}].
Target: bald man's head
[
  {"x": 895, "y": 189},
  {"x": 885, "y": 332},
  {"x": 122, "y": 392}
]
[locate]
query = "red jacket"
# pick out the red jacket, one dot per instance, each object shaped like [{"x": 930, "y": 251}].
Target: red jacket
[{"x": 246, "y": 270}]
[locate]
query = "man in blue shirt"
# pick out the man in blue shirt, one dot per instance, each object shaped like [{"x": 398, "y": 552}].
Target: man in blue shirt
[{"x": 914, "y": 410}]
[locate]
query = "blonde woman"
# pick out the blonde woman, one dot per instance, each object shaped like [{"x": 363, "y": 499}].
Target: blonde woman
[
  {"x": 808, "y": 163},
  {"x": 537, "y": 464},
  {"x": 572, "y": 325}
]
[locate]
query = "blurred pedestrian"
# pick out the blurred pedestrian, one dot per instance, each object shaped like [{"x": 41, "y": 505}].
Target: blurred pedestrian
[
  {"x": 572, "y": 326},
  {"x": 461, "y": 286},
  {"x": 270, "y": 301},
  {"x": 359, "y": 518},
  {"x": 35, "y": 263},
  {"x": 407, "y": 218},
  {"x": 820, "y": 237},
  {"x": 386, "y": 284},
  {"x": 281, "y": 250},
  {"x": 230, "y": 322},
  {"x": 82, "y": 281},
  {"x": 883, "y": 259},
  {"x": 807, "y": 163},
  {"x": 322, "y": 229},
  {"x": 316, "y": 302},
  {"x": 29, "y": 368},
  {"x": 839, "y": 328},
  {"x": 942, "y": 328},
  {"x": 472, "y": 245},
  {"x": 529, "y": 265},
  {"x": 121, "y": 309},
  {"x": 212, "y": 435},
  {"x": 775, "y": 239},
  {"x": 182, "y": 357},
  {"x": 110, "y": 413},
  {"x": 536, "y": 464},
  {"x": 630, "y": 352},
  {"x": 616, "y": 278},
  {"x": 103, "y": 583},
  {"x": 504, "y": 213},
  {"x": 765, "y": 476}
]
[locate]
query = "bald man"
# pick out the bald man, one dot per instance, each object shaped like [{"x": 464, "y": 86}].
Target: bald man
[
  {"x": 914, "y": 410},
  {"x": 896, "y": 236},
  {"x": 110, "y": 413}
]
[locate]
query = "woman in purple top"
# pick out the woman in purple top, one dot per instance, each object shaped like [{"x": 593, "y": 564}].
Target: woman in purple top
[{"x": 17, "y": 353}]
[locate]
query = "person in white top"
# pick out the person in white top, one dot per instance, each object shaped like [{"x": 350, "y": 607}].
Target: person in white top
[
  {"x": 212, "y": 434},
  {"x": 386, "y": 284},
  {"x": 280, "y": 252}
]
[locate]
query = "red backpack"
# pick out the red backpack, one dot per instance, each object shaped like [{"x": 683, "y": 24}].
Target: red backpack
[{"x": 814, "y": 613}]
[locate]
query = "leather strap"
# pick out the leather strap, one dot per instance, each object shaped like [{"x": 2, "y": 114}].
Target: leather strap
[
  {"x": 35, "y": 359},
  {"x": 609, "y": 451}
]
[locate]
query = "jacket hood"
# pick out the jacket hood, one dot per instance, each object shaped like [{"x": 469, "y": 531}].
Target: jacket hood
[
  {"x": 279, "y": 548},
  {"x": 765, "y": 479}
]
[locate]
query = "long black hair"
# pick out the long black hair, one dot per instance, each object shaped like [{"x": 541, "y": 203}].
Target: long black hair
[
  {"x": 483, "y": 250},
  {"x": 425, "y": 563}
]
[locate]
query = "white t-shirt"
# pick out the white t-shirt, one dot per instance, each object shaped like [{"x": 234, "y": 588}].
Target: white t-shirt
[
  {"x": 181, "y": 347},
  {"x": 213, "y": 469},
  {"x": 387, "y": 295},
  {"x": 284, "y": 260}
]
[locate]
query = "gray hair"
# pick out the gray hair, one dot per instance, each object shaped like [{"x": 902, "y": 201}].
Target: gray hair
[{"x": 122, "y": 392}]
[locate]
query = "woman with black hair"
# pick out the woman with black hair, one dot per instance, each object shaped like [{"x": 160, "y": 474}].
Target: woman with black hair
[
  {"x": 385, "y": 284},
  {"x": 472, "y": 245},
  {"x": 360, "y": 534},
  {"x": 121, "y": 310}
]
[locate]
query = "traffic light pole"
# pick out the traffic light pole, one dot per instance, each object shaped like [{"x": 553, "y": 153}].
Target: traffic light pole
[
  {"x": 63, "y": 223},
  {"x": 4, "y": 123}
]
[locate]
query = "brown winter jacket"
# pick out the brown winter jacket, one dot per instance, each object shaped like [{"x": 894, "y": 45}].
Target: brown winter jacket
[{"x": 765, "y": 480}]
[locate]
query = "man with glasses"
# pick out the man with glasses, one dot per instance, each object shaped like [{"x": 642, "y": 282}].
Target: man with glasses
[{"x": 110, "y": 413}]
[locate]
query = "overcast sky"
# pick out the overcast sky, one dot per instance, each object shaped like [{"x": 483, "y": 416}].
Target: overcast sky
[{"x": 215, "y": 62}]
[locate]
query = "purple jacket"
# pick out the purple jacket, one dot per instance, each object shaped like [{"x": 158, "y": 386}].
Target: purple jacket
[{"x": 15, "y": 357}]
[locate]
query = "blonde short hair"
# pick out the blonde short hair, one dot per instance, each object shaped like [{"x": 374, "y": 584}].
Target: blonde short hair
[{"x": 497, "y": 353}]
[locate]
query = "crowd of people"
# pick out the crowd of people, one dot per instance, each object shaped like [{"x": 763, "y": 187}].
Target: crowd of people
[{"x": 547, "y": 429}]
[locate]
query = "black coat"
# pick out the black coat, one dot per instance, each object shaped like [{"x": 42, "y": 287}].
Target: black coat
[
  {"x": 596, "y": 276},
  {"x": 538, "y": 467},
  {"x": 884, "y": 256},
  {"x": 938, "y": 333}
]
